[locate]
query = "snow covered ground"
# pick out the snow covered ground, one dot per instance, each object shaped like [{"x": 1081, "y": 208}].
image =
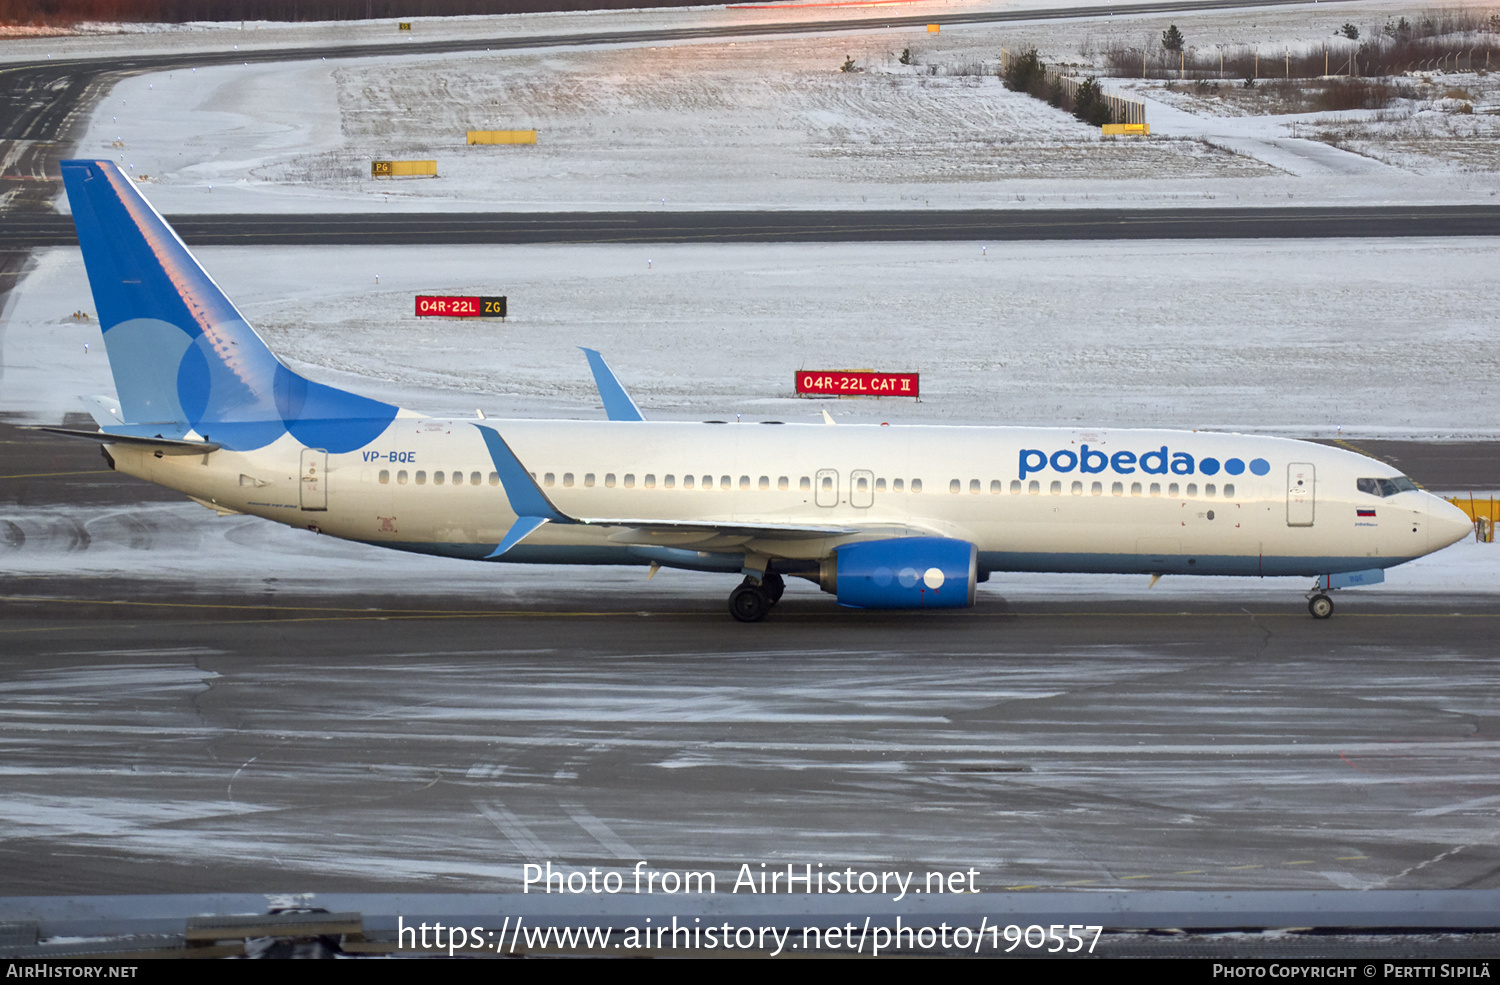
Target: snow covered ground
[
  {"x": 1454, "y": 131},
  {"x": 1386, "y": 338},
  {"x": 737, "y": 125},
  {"x": 104, "y": 40},
  {"x": 1449, "y": 126},
  {"x": 740, "y": 124},
  {"x": 131, "y": 39}
]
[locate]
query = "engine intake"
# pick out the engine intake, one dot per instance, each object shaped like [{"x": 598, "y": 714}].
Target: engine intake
[{"x": 903, "y": 573}]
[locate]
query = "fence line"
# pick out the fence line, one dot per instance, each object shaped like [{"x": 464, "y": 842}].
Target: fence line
[
  {"x": 1338, "y": 58},
  {"x": 1124, "y": 109}
]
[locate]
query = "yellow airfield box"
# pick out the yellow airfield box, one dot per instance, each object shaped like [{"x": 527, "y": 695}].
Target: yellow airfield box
[
  {"x": 403, "y": 169},
  {"x": 502, "y": 136}
]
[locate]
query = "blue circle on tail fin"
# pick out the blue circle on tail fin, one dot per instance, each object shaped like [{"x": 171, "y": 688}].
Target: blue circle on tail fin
[{"x": 194, "y": 383}]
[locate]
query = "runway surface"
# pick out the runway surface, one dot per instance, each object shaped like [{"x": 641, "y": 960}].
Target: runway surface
[
  {"x": 162, "y": 735},
  {"x": 792, "y": 226}
]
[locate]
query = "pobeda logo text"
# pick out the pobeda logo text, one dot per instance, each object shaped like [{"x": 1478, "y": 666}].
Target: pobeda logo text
[{"x": 1158, "y": 461}]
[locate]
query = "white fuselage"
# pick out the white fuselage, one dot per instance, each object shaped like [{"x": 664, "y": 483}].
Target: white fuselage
[{"x": 1030, "y": 499}]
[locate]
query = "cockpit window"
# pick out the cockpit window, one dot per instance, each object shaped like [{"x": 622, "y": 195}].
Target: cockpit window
[{"x": 1385, "y": 487}]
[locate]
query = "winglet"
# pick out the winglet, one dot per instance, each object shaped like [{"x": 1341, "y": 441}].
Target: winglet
[{"x": 617, "y": 403}]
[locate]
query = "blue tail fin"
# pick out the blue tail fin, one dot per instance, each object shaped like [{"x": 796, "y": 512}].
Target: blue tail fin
[{"x": 182, "y": 356}]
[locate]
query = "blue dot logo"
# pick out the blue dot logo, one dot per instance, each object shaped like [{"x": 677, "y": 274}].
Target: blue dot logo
[
  {"x": 1208, "y": 466},
  {"x": 1259, "y": 466},
  {"x": 1234, "y": 466}
]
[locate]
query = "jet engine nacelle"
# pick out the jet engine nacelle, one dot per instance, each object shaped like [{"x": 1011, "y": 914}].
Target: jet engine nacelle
[{"x": 903, "y": 573}]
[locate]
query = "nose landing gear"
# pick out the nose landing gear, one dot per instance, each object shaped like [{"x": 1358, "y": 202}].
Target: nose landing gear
[
  {"x": 1318, "y": 602},
  {"x": 1320, "y": 605}
]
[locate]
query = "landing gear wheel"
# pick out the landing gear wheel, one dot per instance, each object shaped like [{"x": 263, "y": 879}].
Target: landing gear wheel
[
  {"x": 773, "y": 587},
  {"x": 1321, "y": 606},
  {"x": 749, "y": 603}
]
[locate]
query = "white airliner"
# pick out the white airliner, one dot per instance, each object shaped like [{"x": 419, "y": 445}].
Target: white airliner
[{"x": 882, "y": 517}]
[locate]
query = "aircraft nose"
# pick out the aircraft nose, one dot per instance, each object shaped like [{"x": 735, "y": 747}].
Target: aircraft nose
[{"x": 1446, "y": 523}]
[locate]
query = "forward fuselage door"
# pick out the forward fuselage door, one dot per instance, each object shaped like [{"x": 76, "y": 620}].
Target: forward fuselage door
[
  {"x": 862, "y": 489},
  {"x": 1301, "y": 482},
  {"x": 314, "y": 484},
  {"x": 826, "y": 487}
]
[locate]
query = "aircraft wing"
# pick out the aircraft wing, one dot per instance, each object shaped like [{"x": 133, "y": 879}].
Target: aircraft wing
[
  {"x": 723, "y": 526},
  {"x": 652, "y": 531},
  {"x": 534, "y": 509},
  {"x": 728, "y": 535}
]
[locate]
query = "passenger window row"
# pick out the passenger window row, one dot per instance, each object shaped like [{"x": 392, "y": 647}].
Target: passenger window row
[
  {"x": 439, "y": 478},
  {"x": 804, "y": 484},
  {"x": 649, "y": 481}
]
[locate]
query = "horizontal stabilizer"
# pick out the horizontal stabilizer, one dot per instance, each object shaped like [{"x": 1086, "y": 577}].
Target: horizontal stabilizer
[
  {"x": 169, "y": 446},
  {"x": 104, "y": 410}
]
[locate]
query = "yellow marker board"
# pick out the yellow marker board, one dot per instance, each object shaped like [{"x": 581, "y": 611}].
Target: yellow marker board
[
  {"x": 1476, "y": 508},
  {"x": 403, "y": 169},
  {"x": 403, "y": 25},
  {"x": 502, "y": 136},
  {"x": 1122, "y": 129},
  {"x": 932, "y": 28}
]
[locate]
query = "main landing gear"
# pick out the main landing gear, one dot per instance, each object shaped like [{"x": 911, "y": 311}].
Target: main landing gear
[{"x": 751, "y": 600}]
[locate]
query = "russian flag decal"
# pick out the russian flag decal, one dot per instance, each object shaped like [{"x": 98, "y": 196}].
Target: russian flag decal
[{"x": 1366, "y": 512}]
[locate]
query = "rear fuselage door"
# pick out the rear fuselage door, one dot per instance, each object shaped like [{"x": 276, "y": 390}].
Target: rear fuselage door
[
  {"x": 1301, "y": 482},
  {"x": 314, "y": 482},
  {"x": 826, "y": 487},
  {"x": 862, "y": 489}
]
